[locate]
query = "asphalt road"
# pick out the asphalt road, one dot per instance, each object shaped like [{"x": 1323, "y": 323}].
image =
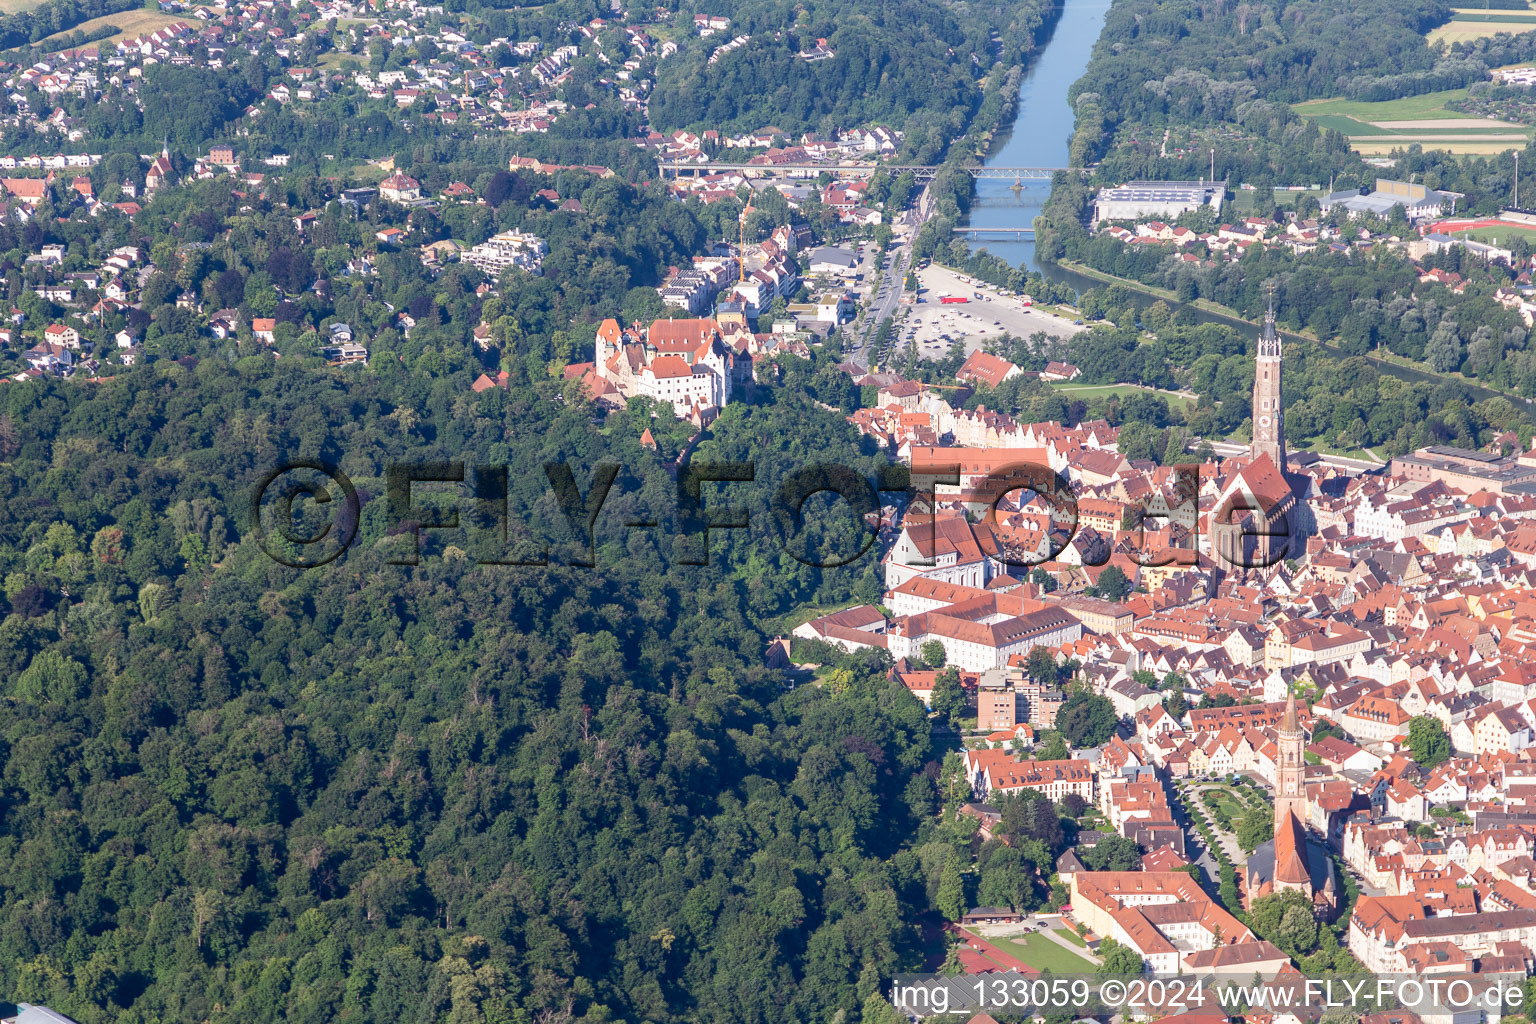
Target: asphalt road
[
  {"x": 886, "y": 300},
  {"x": 1210, "y": 871},
  {"x": 887, "y": 297}
]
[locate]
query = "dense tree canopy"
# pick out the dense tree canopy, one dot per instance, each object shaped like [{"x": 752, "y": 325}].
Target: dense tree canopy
[
  {"x": 1427, "y": 742},
  {"x": 236, "y": 791},
  {"x": 1086, "y": 719}
]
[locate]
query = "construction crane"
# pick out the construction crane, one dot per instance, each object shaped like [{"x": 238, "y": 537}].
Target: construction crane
[{"x": 741, "y": 248}]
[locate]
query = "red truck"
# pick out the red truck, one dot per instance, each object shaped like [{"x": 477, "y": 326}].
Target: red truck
[{"x": 954, "y": 298}]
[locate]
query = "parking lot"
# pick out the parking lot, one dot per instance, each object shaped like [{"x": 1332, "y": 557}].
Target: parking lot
[{"x": 935, "y": 325}]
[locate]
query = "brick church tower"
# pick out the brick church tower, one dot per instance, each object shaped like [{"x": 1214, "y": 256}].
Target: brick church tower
[
  {"x": 1291, "y": 861},
  {"x": 1268, "y": 408},
  {"x": 1289, "y": 793}
]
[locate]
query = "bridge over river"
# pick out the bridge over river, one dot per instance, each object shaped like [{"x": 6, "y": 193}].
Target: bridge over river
[
  {"x": 1018, "y": 234},
  {"x": 920, "y": 172}
]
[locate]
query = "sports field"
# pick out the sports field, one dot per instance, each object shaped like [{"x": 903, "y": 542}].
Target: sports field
[{"x": 1492, "y": 231}]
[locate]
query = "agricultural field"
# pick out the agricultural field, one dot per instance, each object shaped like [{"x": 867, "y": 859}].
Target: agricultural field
[
  {"x": 127, "y": 23},
  {"x": 1470, "y": 23},
  {"x": 1457, "y": 148},
  {"x": 1379, "y": 127}
]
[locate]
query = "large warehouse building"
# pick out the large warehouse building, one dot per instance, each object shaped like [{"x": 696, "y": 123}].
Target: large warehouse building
[{"x": 1137, "y": 199}]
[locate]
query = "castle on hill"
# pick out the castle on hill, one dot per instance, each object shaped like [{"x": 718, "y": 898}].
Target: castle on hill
[{"x": 684, "y": 363}]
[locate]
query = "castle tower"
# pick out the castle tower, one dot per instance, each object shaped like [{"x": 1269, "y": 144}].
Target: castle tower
[
  {"x": 609, "y": 339},
  {"x": 1268, "y": 407},
  {"x": 1290, "y": 796}
]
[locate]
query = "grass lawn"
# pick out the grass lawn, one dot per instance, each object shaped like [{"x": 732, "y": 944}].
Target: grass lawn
[
  {"x": 333, "y": 60},
  {"x": 368, "y": 171},
  {"x": 1088, "y": 392},
  {"x": 128, "y": 24},
  {"x": 1039, "y": 951},
  {"x": 1284, "y": 198},
  {"x": 1234, "y": 802},
  {"x": 1072, "y": 937},
  {"x": 17, "y": 6},
  {"x": 1227, "y": 801}
]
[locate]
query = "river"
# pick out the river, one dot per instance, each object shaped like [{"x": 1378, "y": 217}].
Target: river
[
  {"x": 1041, "y": 131},
  {"x": 1039, "y": 137}
]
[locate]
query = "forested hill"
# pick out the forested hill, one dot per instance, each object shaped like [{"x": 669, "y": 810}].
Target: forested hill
[
  {"x": 236, "y": 792},
  {"x": 910, "y": 64}
]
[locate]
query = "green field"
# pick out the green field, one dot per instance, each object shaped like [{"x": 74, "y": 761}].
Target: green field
[
  {"x": 1346, "y": 125},
  {"x": 1088, "y": 392},
  {"x": 1242, "y": 201},
  {"x": 1071, "y": 936},
  {"x": 1380, "y": 127},
  {"x": 1500, "y": 235},
  {"x": 1477, "y": 16},
  {"x": 1427, "y": 105},
  {"x": 1230, "y": 805},
  {"x": 1039, "y": 951},
  {"x": 334, "y": 59}
]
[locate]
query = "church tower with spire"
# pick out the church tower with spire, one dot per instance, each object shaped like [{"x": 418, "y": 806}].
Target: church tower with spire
[
  {"x": 1291, "y": 861},
  {"x": 1268, "y": 408},
  {"x": 1290, "y": 795}
]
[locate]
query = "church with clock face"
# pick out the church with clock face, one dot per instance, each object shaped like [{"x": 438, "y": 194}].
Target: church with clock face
[
  {"x": 1268, "y": 410},
  {"x": 1258, "y": 515}
]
